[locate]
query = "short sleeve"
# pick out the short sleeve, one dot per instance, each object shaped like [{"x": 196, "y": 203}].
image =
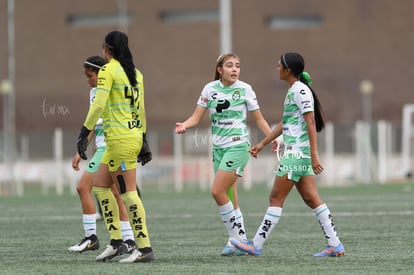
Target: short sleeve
[
  {"x": 304, "y": 100},
  {"x": 251, "y": 100},
  {"x": 202, "y": 100}
]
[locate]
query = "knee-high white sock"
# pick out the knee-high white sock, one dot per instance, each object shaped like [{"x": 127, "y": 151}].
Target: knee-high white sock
[
  {"x": 89, "y": 224},
  {"x": 240, "y": 223},
  {"x": 324, "y": 217},
  {"x": 270, "y": 219},
  {"x": 127, "y": 233},
  {"x": 229, "y": 218}
]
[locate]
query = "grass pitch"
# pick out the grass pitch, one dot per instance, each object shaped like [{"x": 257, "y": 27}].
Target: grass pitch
[{"x": 375, "y": 223}]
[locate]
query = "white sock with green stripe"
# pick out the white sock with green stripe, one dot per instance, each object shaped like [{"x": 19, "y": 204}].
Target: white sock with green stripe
[
  {"x": 240, "y": 222},
  {"x": 270, "y": 219},
  {"x": 229, "y": 218},
  {"x": 89, "y": 224},
  {"x": 324, "y": 217}
]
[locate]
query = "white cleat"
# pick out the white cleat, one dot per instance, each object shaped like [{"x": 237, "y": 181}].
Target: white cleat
[
  {"x": 139, "y": 257},
  {"x": 87, "y": 243},
  {"x": 109, "y": 253}
]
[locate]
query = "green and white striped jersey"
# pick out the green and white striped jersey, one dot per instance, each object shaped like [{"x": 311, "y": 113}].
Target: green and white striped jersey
[
  {"x": 99, "y": 133},
  {"x": 228, "y": 107},
  {"x": 298, "y": 101}
]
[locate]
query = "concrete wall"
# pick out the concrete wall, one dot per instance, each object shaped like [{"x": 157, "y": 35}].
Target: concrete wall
[{"x": 356, "y": 40}]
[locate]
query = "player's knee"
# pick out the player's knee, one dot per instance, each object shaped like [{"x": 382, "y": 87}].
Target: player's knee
[
  {"x": 275, "y": 200},
  {"x": 219, "y": 195},
  {"x": 215, "y": 192},
  {"x": 82, "y": 189}
]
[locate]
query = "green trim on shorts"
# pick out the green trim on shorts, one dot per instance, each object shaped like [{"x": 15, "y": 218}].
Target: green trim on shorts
[
  {"x": 233, "y": 158},
  {"x": 295, "y": 168},
  {"x": 93, "y": 165}
]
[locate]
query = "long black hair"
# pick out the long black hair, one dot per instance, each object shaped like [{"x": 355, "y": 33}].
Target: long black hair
[
  {"x": 117, "y": 43},
  {"x": 296, "y": 64}
]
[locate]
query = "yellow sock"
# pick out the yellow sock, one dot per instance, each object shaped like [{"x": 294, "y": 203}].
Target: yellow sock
[
  {"x": 110, "y": 212},
  {"x": 137, "y": 218}
]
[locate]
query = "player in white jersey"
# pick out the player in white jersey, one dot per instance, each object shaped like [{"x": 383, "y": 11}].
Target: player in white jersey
[
  {"x": 91, "y": 67},
  {"x": 302, "y": 119},
  {"x": 228, "y": 101}
]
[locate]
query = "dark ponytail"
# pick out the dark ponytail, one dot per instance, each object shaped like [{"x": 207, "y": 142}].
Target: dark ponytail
[
  {"x": 117, "y": 43},
  {"x": 296, "y": 64},
  {"x": 319, "y": 118}
]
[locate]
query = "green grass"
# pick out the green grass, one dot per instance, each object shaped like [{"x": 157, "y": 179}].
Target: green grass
[{"x": 375, "y": 223}]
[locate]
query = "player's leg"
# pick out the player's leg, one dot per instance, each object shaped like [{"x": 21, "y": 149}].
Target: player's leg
[
  {"x": 110, "y": 211},
  {"x": 229, "y": 165},
  {"x": 125, "y": 178},
  {"x": 127, "y": 233},
  {"x": 84, "y": 188},
  {"x": 137, "y": 216},
  {"x": 90, "y": 241},
  {"x": 281, "y": 188},
  {"x": 232, "y": 193},
  {"x": 222, "y": 182},
  {"x": 307, "y": 189}
]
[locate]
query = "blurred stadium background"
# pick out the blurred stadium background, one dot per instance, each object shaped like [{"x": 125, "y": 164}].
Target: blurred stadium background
[{"x": 359, "y": 53}]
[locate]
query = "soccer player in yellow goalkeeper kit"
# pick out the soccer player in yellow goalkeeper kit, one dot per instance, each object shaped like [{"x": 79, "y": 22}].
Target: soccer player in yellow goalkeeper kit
[{"x": 120, "y": 102}]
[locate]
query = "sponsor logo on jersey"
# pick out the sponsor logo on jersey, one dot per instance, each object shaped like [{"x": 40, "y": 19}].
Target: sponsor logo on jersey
[
  {"x": 224, "y": 122},
  {"x": 306, "y": 104},
  {"x": 222, "y": 105},
  {"x": 203, "y": 99}
]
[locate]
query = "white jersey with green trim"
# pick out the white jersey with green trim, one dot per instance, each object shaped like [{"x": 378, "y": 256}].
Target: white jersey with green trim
[
  {"x": 99, "y": 133},
  {"x": 298, "y": 101},
  {"x": 228, "y": 107}
]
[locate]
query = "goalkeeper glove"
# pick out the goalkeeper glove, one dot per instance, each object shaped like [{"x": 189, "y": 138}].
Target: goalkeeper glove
[
  {"x": 82, "y": 143},
  {"x": 145, "y": 154}
]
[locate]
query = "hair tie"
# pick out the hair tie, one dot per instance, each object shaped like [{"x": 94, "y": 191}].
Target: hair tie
[
  {"x": 93, "y": 65},
  {"x": 306, "y": 76},
  {"x": 284, "y": 62}
]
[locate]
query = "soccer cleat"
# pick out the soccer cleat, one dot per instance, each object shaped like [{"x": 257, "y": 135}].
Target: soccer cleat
[
  {"x": 129, "y": 246},
  {"x": 113, "y": 249},
  {"x": 87, "y": 243},
  {"x": 247, "y": 246},
  {"x": 144, "y": 255},
  {"x": 331, "y": 251},
  {"x": 231, "y": 250}
]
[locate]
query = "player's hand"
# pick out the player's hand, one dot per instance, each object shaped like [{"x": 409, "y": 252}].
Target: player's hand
[
  {"x": 75, "y": 162},
  {"x": 145, "y": 154},
  {"x": 275, "y": 146},
  {"x": 82, "y": 143},
  {"x": 316, "y": 164},
  {"x": 180, "y": 128},
  {"x": 254, "y": 151}
]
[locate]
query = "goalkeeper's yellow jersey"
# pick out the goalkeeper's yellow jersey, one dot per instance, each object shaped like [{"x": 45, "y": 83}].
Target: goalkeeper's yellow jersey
[{"x": 120, "y": 105}]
